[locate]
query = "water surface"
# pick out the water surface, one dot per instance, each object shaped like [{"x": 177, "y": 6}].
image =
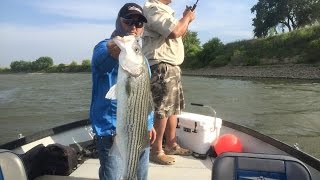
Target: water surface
[{"x": 288, "y": 110}]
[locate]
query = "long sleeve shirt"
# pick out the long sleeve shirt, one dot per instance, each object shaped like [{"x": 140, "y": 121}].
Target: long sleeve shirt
[{"x": 103, "y": 111}]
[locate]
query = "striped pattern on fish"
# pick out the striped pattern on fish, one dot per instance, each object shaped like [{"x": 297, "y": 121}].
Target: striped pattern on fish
[{"x": 133, "y": 105}]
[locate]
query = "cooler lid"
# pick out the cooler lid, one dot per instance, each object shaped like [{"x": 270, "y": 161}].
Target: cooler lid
[{"x": 189, "y": 119}]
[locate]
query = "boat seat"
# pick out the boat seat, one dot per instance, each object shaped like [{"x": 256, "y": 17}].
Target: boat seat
[
  {"x": 234, "y": 166},
  {"x": 11, "y": 166},
  {"x": 55, "y": 177}
]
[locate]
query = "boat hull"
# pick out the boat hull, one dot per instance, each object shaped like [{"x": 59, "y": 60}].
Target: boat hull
[{"x": 81, "y": 131}]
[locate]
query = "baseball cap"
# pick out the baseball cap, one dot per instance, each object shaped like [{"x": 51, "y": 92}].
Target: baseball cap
[{"x": 130, "y": 9}]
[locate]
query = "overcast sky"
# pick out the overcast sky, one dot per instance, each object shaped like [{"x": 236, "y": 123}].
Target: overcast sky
[{"x": 67, "y": 30}]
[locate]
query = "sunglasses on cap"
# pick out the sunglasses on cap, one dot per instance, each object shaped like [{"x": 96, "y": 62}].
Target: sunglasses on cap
[{"x": 131, "y": 22}]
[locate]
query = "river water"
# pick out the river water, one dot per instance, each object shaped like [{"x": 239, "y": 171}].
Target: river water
[{"x": 288, "y": 110}]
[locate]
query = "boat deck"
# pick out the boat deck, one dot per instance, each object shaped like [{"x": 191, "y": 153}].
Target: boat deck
[{"x": 186, "y": 168}]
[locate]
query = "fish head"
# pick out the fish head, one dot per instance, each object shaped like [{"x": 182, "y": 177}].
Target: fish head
[{"x": 131, "y": 58}]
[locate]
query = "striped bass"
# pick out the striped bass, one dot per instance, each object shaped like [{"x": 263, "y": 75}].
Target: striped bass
[{"x": 134, "y": 103}]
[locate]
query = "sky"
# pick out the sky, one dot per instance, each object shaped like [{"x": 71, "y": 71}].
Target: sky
[{"x": 68, "y": 30}]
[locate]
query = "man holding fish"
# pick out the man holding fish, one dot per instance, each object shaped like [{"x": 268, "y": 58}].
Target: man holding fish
[{"x": 121, "y": 106}]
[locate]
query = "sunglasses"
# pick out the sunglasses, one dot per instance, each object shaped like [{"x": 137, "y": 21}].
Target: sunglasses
[{"x": 131, "y": 22}]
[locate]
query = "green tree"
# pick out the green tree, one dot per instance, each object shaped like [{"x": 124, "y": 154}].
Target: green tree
[
  {"x": 86, "y": 62},
  {"x": 210, "y": 50},
  {"x": 73, "y": 63},
  {"x": 312, "y": 53},
  {"x": 73, "y": 67},
  {"x": 61, "y": 67},
  {"x": 316, "y": 11},
  {"x": 192, "y": 48},
  {"x": 42, "y": 63},
  {"x": 291, "y": 14},
  {"x": 86, "y": 65},
  {"x": 4, "y": 70},
  {"x": 20, "y": 66}
]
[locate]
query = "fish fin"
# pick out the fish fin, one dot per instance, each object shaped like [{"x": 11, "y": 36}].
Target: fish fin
[{"x": 112, "y": 94}]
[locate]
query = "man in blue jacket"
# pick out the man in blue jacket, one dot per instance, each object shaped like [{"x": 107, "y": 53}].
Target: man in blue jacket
[{"x": 103, "y": 111}]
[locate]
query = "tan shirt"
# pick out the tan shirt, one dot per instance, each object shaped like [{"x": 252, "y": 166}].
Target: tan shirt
[{"x": 157, "y": 47}]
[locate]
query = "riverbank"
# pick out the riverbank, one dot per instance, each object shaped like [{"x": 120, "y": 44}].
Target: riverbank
[{"x": 287, "y": 71}]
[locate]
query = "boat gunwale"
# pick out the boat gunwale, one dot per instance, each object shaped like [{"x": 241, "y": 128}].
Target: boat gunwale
[
  {"x": 302, "y": 156},
  {"x": 44, "y": 133}
]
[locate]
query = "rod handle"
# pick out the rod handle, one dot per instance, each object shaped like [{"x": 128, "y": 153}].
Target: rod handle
[{"x": 197, "y": 104}]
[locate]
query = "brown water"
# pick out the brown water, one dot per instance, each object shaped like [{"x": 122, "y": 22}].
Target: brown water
[{"x": 288, "y": 110}]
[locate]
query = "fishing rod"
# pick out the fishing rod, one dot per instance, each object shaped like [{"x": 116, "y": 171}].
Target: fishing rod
[
  {"x": 194, "y": 6},
  {"x": 206, "y": 106}
]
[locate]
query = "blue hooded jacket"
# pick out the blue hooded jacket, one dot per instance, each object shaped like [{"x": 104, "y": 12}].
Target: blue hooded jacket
[{"x": 104, "y": 75}]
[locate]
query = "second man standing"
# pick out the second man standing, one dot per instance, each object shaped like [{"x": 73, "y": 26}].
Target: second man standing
[{"x": 163, "y": 47}]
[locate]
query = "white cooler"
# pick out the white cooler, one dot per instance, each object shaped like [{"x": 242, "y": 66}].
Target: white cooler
[{"x": 197, "y": 132}]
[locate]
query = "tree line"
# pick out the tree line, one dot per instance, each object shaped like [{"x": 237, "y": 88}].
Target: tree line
[
  {"x": 45, "y": 64},
  {"x": 298, "y": 46},
  {"x": 271, "y": 44}
]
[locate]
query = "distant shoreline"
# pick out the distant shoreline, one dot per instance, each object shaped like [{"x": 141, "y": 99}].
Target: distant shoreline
[{"x": 285, "y": 71}]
